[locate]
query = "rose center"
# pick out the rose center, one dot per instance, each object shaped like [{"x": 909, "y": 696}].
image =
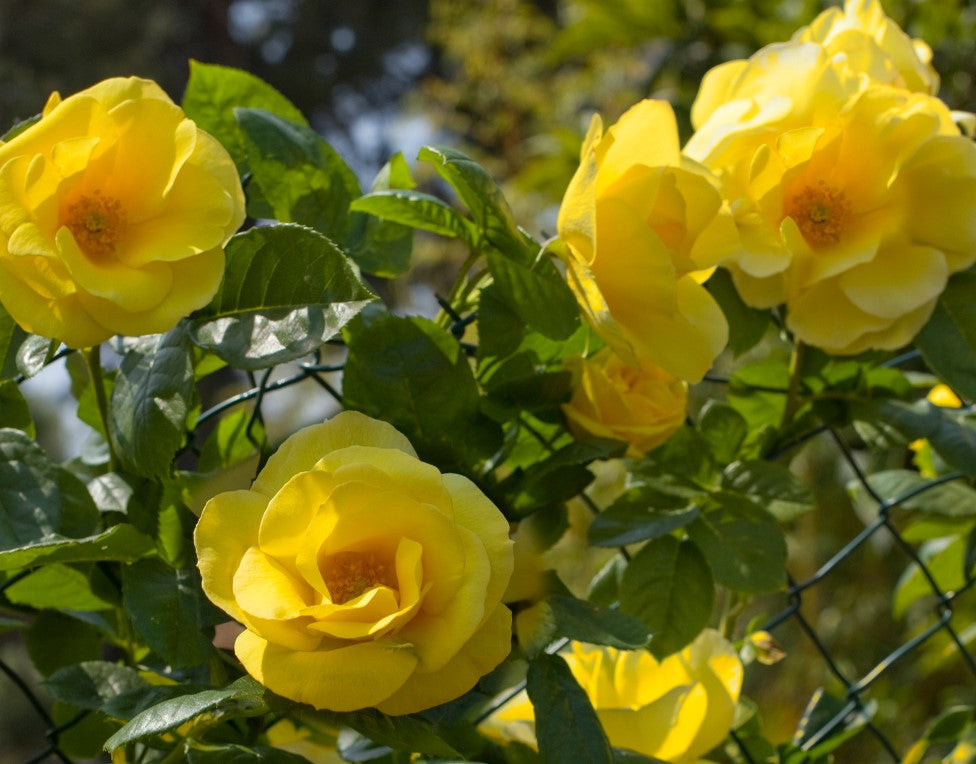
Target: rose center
[
  {"x": 349, "y": 574},
  {"x": 820, "y": 212},
  {"x": 96, "y": 222}
]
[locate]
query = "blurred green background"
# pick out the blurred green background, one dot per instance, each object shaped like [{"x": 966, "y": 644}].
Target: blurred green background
[{"x": 512, "y": 82}]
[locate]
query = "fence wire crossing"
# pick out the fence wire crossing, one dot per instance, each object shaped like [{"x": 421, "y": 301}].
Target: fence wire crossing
[{"x": 854, "y": 709}]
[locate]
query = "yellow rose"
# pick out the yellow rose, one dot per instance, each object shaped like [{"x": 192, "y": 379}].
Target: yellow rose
[
  {"x": 641, "y": 404},
  {"x": 856, "y": 218},
  {"x": 114, "y": 210},
  {"x": 642, "y": 227},
  {"x": 364, "y": 576},
  {"x": 675, "y": 710}
]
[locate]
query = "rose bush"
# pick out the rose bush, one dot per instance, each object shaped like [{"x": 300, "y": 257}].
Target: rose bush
[
  {"x": 114, "y": 210},
  {"x": 642, "y": 227},
  {"x": 364, "y": 577},
  {"x": 638, "y": 403},
  {"x": 675, "y": 710}
]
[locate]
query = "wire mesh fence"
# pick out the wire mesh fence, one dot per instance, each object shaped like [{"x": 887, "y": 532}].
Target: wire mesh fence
[{"x": 795, "y": 612}]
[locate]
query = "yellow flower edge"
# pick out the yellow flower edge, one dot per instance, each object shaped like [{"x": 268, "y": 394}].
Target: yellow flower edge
[
  {"x": 675, "y": 710},
  {"x": 114, "y": 211},
  {"x": 366, "y": 578}
]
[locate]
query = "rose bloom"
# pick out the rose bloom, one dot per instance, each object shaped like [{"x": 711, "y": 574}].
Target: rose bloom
[
  {"x": 854, "y": 204},
  {"x": 114, "y": 210},
  {"x": 638, "y": 403},
  {"x": 675, "y": 710},
  {"x": 363, "y": 576},
  {"x": 642, "y": 227}
]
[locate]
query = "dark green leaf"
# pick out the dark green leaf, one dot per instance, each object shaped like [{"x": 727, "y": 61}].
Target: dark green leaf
[
  {"x": 539, "y": 296},
  {"x": 566, "y": 616},
  {"x": 724, "y": 429},
  {"x": 34, "y": 354},
  {"x": 743, "y": 544},
  {"x": 213, "y": 92},
  {"x": 668, "y": 586},
  {"x": 566, "y": 724},
  {"x": 14, "y": 411},
  {"x": 383, "y": 247},
  {"x": 944, "y": 562},
  {"x": 245, "y": 697},
  {"x": 401, "y": 733},
  {"x": 205, "y": 753},
  {"x": 287, "y": 289},
  {"x": 746, "y": 325},
  {"x": 39, "y": 501},
  {"x": 111, "y": 493},
  {"x": 91, "y": 684},
  {"x": 948, "y": 340},
  {"x": 413, "y": 374},
  {"x": 951, "y": 725},
  {"x": 953, "y": 499},
  {"x": 50, "y": 651},
  {"x": 770, "y": 485},
  {"x": 299, "y": 176},
  {"x": 640, "y": 514},
  {"x": 152, "y": 396},
  {"x": 417, "y": 210},
  {"x": 483, "y": 199},
  {"x": 11, "y": 338},
  {"x": 954, "y": 440},
  {"x": 18, "y": 128},
  {"x": 168, "y": 608}
]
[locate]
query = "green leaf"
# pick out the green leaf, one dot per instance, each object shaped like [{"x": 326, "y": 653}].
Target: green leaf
[
  {"x": 111, "y": 493},
  {"x": 812, "y": 734},
  {"x": 152, "y": 396},
  {"x": 245, "y": 697},
  {"x": 14, "y": 411},
  {"x": 90, "y": 684},
  {"x": 951, "y": 725},
  {"x": 299, "y": 176},
  {"x": 743, "y": 544},
  {"x": 954, "y": 440},
  {"x": 56, "y": 587},
  {"x": 948, "y": 340},
  {"x": 566, "y": 724},
  {"x": 539, "y": 296},
  {"x": 206, "y": 753},
  {"x": 228, "y": 444},
  {"x": 11, "y": 338},
  {"x": 746, "y": 325},
  {"x": 18, "y": 128},
  {"x": 563, "y": 615},
  {"x": 213, "y": 92},
  {"x": 401, "y": 733},
  {"x": 770, "y": 485},
  {"x": 417, "y": 210},
  {"x": 34, "y": 354},
  {"x": 953, "y": 499},
  {"x": 724, "y": 429},
  {"x": 413, "y": 374},
  {"x": 122, "y": 543},
  {"x": 39, "y": 501},
  {"x": 668, "y": 585},
  {"x": 642, "y": 513},
  {"x": 48, "y": 648},
  {"x": 168, "y": 608},
  {"x": 561, "y": 476},
  {"x": 287, "y": 290},
  {"x": 944, "y": 560},
  {"x": 491, "y": 213}
]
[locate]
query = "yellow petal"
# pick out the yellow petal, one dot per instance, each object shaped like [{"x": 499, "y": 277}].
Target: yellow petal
[
  {"x": 900, "y": 279},
  {"x": 227, "y": 527},
  {"x": 344, "y": 679},
  {"x": 486, "y": 648},
  {"x": 302, "y": 450},
  {"x": 576, "y": 222},
  {"x": 664, "y": 729},
  {"x": 646, "y": 134},
  {"x": 264, "y": 588},
  {"x": 290, "y": 512}
]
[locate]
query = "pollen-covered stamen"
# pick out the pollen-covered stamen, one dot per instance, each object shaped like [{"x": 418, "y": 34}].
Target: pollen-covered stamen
[
  {"x": 820, "y": 212},
  {"x": 349, "y": 574},
  {"x": 96, "y": 222}
]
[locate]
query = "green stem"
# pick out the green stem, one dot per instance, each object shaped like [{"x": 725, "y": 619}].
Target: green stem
[
  {"x": 793, "y": 393},
  {"x": 443, "y": 318},
  {"x": 94, "y": 363}
]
